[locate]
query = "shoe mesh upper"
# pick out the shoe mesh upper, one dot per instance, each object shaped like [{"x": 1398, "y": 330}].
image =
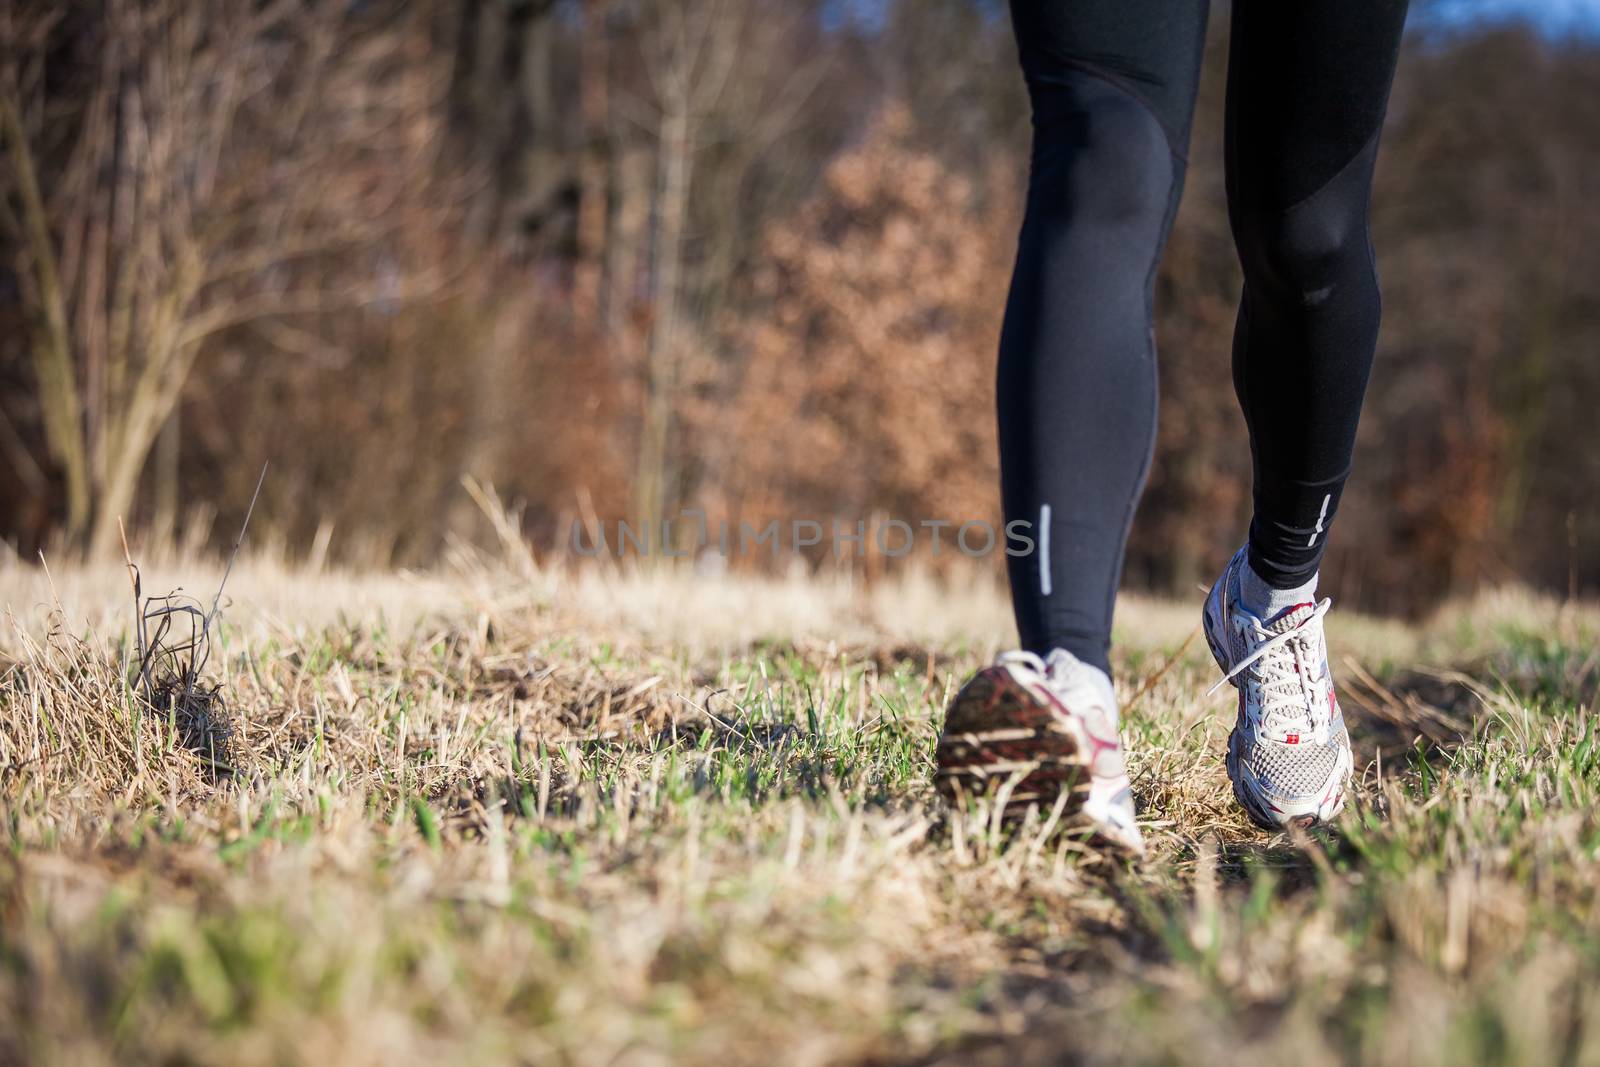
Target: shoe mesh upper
[{"x": 1291, "y": 770}]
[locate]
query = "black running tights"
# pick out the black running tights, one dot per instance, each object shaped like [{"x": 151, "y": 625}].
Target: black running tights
[{"x": 1112, "y": 84}]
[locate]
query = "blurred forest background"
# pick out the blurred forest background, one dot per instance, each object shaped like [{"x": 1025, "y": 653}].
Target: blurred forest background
[{"x": 619, "y": 257}]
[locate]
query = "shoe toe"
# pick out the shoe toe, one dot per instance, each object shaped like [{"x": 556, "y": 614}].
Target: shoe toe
[{"x": 1297, "y": 784}]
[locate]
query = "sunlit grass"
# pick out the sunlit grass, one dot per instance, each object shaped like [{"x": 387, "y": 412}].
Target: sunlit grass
[{"x": 577, "y": 818}]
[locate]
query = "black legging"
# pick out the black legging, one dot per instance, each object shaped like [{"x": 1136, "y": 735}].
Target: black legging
[{"x": 1112, "y": 84}]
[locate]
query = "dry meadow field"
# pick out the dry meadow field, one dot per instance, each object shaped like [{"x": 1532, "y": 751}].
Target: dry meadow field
[{"x": 505, "y": 814}]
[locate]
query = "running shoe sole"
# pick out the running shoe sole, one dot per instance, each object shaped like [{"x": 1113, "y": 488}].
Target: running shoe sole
[{"x": 996, "y": 729}]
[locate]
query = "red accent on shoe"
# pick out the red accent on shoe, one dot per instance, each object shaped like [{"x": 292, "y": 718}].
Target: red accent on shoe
[{"x": 1287, "y": 610}]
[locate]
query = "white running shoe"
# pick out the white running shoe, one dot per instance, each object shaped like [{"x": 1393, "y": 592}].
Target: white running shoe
[
  {"x": 1047, "y": 720},
  {"x": 1289, "y": 754}
]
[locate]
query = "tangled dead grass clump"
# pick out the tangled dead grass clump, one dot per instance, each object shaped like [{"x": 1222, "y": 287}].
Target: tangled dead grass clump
[
  {"x": 174, "y": 646},
  {"x": 173, "y": 642},
  {"x": 78, "y": 727}
]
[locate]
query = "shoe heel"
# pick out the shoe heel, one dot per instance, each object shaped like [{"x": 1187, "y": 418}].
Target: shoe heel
[{"x": 1208, "y": 619}]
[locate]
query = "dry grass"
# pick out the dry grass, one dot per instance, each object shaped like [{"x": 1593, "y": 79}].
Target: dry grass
[{"x": 500, "y": 814}]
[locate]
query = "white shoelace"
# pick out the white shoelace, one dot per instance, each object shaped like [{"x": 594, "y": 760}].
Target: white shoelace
[
  {"x": 1061, "y": 673},
  {"x": 1046, "y": 668},
  {"x": 1031, "y": 660},
  {"x": 1282, "y": 677}
]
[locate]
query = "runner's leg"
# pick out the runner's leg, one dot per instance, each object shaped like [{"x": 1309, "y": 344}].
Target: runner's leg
[
  {"x": 1308, "y": 83},
  {"x": 1112, "y": 85}
]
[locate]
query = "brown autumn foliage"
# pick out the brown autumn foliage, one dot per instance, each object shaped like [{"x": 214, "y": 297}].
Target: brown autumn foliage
[
  {"x": 623, "y": 257},
  {"x": 864, "y": 386}
]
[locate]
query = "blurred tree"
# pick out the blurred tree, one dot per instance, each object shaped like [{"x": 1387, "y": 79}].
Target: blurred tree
[
  {"x": 166, "y": 165},
  {"x": 867, "y": 380},
  {"x": 714, "y": 103}
]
